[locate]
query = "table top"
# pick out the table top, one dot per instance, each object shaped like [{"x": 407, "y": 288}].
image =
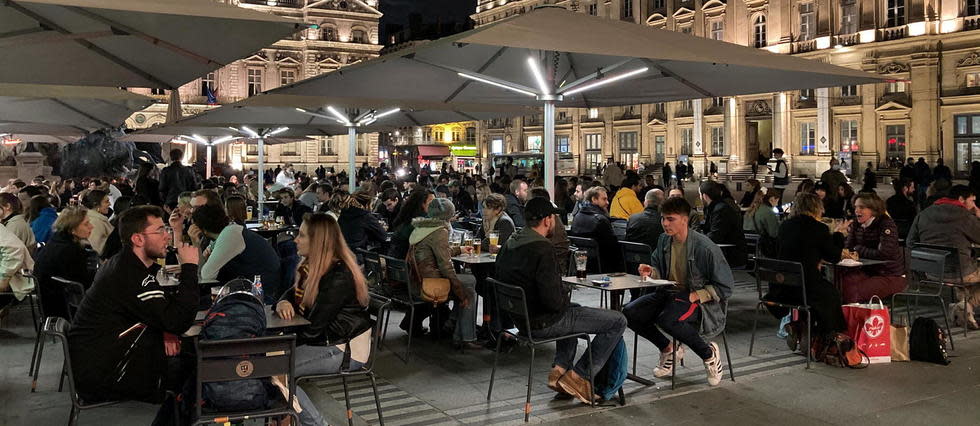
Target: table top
[
  {"x": 483, "y": 258},
  {"x": 624, "y": 282},
  {"x": 863, "y": 262},
  {"x": 272, "y": 321}
]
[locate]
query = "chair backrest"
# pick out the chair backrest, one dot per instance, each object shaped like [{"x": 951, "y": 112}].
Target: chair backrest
[
  {"x": 635, "y": 254},
  {"x": 512, "y": 301},
  {"x": 396, "y": 270},
  {"x": 250, "y": 358},
  {"x": 752, "y": 245},
  {"x": 619, "y": 228},
  {"x": 952, "y": 263},
  {"x": 372, "y": 265},
  {"x": 59, "y": 327},
  {"x": 590, "y": 246},
  {"x": 927, "y": 263},
  {"x": 74, "y": 294},
  {"x": 380, "y": 306},
  {"x": 780, "y": 273}
]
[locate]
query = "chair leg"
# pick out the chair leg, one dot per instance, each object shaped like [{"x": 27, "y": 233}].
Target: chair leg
[
  {"x": 377, "y": 399},
  {"x": 588, "y": 350},
  {"x": 636, "y": 341},
  {"x": 61, "y": 381},
  {"x": 37, "y": 365},
  {"x": 755, "y": 323},
  {"x": 527, "y": 402},
  {"x": 493, "y": 372},
  {"x": 728, "y": 356},
  {"x": 944, "y": 308},
  {"x": 411, "y": 329},
  {"x": 38, "y": 341},
  {"x": 350, "y": 413},
  {"x": 73, "y": 416},
  {"x": 37, "y": 325},
  {"x": 673, "y": 363}
]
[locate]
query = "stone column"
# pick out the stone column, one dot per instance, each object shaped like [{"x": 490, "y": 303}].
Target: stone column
[
  {"x": 698, "y": 135},
  {"x": 923, "y": 133}
]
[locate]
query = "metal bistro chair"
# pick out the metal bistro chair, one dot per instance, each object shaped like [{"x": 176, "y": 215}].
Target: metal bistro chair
[
  {"x": 925, "y": 265},
  {"x": 32, "y": 298},
  {"x": 751, "y": 248},
  {"x": 635, "y": 254},
  {"x": 952, "y": 268},
  {"x": 74, "y": 294},
  {"x": 511, "y": 301},
  {"x": 619, "y": 228},
  {"x": 250, "y": 358},
  {"x": 396, "y": 272},
  {"x": 589, "y": 245},
  {"x": 373, "y": 269},
  {"x": 380, "y": 305},
  {"x": 780, "y": 273}
]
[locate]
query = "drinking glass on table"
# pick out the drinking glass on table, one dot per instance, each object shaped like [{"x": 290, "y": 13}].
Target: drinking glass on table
[{"x": 581, "y": 263}]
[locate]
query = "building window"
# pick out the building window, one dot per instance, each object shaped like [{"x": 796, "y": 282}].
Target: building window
[
  {"x": 207, "y": 84},
  {"x": 967, "y": 141},
  {"x": 895, "y": 141},
  {"x": 808, "y": 138},
  {"x": 806, "y": 95},
  {"x": 717, "y": 141},
  {"x": 593, "y": 113},
  {"x": 896, "y": 86},
  {"x": 659, "y": 156},
  {"x": 849, "y": 91},
  {"x": 471, "y": 134},
  {"x": 358, "y": 36},
  {"x": 848, "y": 136},
  {"x": 973, "y": 78},
  {"x": 561, "y": 143},
  {"x": 254, "y": 76},
  {"x": 287, "y": 77},
  {"x": 497, "y": 146},
  {"x": 289, "y": 149},
  {"x": 593, "y": 151},
  {"x": 718, "y": 30},
  {"x": 688, "y": 105},
  {"x": 972, "y": 7},
  {"x": 628, "y": 150},
  {"x": 593, "y": 9},
  {"x": 253, "y": 149},
  {"x": 656, "y": 4},
  {"x": 158, "y": 91},
  {"x": 718, "y": 102},
  {"x": 660, "y": 108},
  {"x": 533, "y": 143},
  {"x": 687, "y": 29},
  {"x": 895, "y": 13},
  {"x": 627, "y": 9},
  {"x": 327, "y": 147},
  {"x": 687, "y": 134},
  {"x": 760, "y": 31},
  {"x": 808, "y": 21},
  {"x": 848, "y": 17},
  {"x": 329, "y": 33}
]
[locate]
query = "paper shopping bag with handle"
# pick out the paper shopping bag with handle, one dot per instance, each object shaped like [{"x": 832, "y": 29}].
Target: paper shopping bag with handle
[{"x": 868, "y": 324}]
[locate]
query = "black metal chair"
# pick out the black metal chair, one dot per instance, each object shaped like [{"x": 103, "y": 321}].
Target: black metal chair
[
  {"x": 925, "y": 265},
  {"x": 594, "y": 265},
  {"x": 780, "y": 273},
  {"x": 397, "y": 275},
  {"x": 952, "y": 268},
  {"x": 751, "y": 248},
  {"x": 635, "y": 254},
  {"x": 250, "y": 358},
  {"x": 512, "y": 301},
  {"x": 74, "y": 293},
  {"x": 619, "y": 228},
  {"x": 373, "y": 268},
  {"x": 380, "y": 305}
]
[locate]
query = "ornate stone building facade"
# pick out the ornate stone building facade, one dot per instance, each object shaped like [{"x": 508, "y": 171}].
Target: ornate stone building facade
[
  {"x": 345, "y": 32},
  {"x": 930, "y": 107}
]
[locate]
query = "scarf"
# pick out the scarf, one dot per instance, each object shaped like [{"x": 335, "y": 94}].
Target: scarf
[{"x": 949, "y": 201}]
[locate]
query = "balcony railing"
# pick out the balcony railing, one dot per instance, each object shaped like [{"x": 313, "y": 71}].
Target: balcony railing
[
  {"x": 893, "y": 33},
  {"x": 684, "y": 112},
  {"x": 971, "y": 23},
  {"x": 962, "y": 91},
  {"x": 628, "y": 115},
  {"x": 847, "y": 39},
  {"x": 806, "y": 102},
  {"x": 587, "y": 119},
  {"x": 803, "y": 46},
  {"x": 847, "y": 100},
  {"x": 563, "y": 120}
]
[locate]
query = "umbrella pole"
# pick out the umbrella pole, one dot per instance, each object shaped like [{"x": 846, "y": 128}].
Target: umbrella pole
[
  {"x": 351, "y": 152},
  {"x": 261, "y": 190},
  {"x": 207, "y": 172},
  {"x": 549, "y": 147}
]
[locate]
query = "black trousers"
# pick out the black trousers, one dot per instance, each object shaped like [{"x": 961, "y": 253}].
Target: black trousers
[{"x": 674, "y": 314}]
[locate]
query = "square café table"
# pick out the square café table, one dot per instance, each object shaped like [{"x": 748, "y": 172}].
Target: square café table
[
  {"x": 272, "y": 322},
  {"x": 469, "y": 259},
  {"x": 840, "y": 267}
]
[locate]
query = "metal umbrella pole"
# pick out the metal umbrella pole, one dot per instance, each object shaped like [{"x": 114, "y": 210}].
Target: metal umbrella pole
[{"x": 352, "y": 162}]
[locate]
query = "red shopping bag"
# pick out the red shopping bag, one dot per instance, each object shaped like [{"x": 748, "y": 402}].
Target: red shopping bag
[{"x": 868, "y": 324}]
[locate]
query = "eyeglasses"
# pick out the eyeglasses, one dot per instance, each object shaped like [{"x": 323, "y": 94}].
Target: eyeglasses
[{"x": 166, "y": 231}]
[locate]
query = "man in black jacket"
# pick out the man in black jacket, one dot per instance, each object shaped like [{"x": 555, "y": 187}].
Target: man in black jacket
[
  {"x": 175, "y": 178},
  {"x": 515, "y": 201},
  {"x": 117, "y": 337},
  {"x": 592, "y": 221},
  {"x": 528, "y": 260},
  {"x": 723, "y": 224},
  {"x": 902, "y": 206},
  {"x": 461, "y": 199},
  {"x": 291, "y": 211},
  {"x": 645, "y": 227}
]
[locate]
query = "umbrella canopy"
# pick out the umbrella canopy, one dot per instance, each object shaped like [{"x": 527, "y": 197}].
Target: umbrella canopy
[
  {"x": 64, "y": 110},
  {"x": 574, "y": 50},
  {"x": 137, "y": 43}
]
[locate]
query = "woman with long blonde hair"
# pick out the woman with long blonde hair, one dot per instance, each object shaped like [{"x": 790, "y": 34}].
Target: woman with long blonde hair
[{"x": 330, "y": 291}]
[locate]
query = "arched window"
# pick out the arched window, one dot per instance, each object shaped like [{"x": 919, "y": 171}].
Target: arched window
[
  {"x": 760, "y": 31},
  {"x": 358, "y": 36}
]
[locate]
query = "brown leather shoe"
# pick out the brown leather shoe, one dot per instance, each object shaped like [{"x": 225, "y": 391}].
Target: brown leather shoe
[
  {"x": 575, "y": 385},
  {"x": 556, "y": 373}
]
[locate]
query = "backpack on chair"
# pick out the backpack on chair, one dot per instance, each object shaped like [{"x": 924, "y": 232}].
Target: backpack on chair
[{"x": 235, "y": 316}]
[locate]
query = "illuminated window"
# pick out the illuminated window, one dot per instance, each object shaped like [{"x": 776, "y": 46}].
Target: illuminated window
[{"x": 808, "y": 138}]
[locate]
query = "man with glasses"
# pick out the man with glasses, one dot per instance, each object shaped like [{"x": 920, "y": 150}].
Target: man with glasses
[{"x": 126, "y": 324}]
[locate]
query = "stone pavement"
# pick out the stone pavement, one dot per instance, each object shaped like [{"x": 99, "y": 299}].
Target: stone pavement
[{"x": 441, "y": 386}]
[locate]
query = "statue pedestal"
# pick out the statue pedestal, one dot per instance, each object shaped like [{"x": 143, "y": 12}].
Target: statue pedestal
[{"x": 31, "y": 164}]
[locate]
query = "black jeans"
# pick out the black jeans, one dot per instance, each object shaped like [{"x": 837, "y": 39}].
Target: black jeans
[{"x": 674, "y": 314}]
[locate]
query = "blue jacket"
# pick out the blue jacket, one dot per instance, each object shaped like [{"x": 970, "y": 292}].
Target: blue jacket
[
  {"x": 708, "y": 274},
  {"x": 43, "y": 224}
]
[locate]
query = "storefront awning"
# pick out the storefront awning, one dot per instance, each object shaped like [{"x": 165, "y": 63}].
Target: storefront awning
[{"x": 439, "y": 151}]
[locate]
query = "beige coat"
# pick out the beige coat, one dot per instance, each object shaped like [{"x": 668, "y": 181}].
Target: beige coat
[{"x": 101, "y": 228}]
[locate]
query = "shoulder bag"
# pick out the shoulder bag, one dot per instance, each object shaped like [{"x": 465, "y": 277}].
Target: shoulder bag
[{"x": 432, "y": 290}]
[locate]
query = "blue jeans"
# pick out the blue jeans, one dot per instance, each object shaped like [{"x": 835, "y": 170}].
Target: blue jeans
[
  {"x": 465, "y": 330},
  {"x": 313, "y": 360},
  {"x": 607, "y": 326}
]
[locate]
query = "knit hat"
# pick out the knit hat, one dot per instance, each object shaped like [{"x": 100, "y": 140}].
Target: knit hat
[{"x": 442, "y": 209}]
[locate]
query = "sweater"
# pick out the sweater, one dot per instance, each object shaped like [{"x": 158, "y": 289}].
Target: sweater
[{"x": 625, "y": 204}]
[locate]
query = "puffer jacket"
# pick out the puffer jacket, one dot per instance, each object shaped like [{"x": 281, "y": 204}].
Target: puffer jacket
[
  {"x": 878, "y": 241},
  {"x": 948, "y": 223},
  {"x": 429, "y": 244}
]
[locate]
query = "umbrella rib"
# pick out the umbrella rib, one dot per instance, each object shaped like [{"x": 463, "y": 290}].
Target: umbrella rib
[
  {"x": 80, "y": 112},
  {"x": 25, "y": 31},
  {"x": 412, "y": 118},
  {"x": 148, "y": 38},
  {"x": 483, "y": 68},
  {"x": 667, "y": 72},
  {"x": 571, "y": 69},
  {"x": 87, "y": 44}
]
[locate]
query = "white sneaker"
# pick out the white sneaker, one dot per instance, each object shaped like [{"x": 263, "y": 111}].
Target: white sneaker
[
  {"x": 713, "y": 366},
  {"x": 666, "y": 366}
]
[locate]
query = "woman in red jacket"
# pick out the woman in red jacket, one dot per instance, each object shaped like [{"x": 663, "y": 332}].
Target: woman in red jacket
[{"x": 873, "y": 235}]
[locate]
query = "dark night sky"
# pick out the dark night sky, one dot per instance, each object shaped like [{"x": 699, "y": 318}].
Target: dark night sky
[{"x": 397, "y": 11}]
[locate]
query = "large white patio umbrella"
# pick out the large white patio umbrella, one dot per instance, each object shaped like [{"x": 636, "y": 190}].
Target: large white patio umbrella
[
  {"x": 131, "y": 43},
  {"x": 554, "y": 56},
  {"x": 327, "y": 116}
]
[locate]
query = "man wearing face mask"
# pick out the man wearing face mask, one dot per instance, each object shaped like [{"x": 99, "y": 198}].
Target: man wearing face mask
[{"x": 527, "y": 260}]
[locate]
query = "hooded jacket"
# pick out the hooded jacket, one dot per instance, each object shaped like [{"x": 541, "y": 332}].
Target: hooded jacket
[
  {"x": 101, "y": 228},
  {"x": 708, "y": 275},
  {"x": 528, "y": 260},
  {"x": 625, "y": 204},
  {"x": 42, "y": 224},
  {"x": 948, "y": 223},
  {"x": 592, "y": 222},
  {"x": 360, "y": 228},
  {"x": 429, "y": 244}
]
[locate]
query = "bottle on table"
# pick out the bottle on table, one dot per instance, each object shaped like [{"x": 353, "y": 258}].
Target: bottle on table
[{"x": 257, "y": 287}]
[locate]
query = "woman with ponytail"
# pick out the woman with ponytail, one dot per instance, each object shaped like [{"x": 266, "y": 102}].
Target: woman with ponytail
[{"x": 329, "y": 291}]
